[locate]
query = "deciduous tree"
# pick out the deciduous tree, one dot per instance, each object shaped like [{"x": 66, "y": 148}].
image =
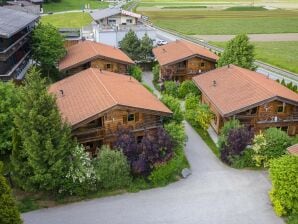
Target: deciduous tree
[
  {"x": 47, "y": 47},
  {"x": 239, "y": 52}
]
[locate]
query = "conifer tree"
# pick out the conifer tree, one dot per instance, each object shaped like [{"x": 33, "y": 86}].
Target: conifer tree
[
  {"x": 9, "y": 213},
  {"x": 42, "y": 144},
  {"x": 130, "y": 44},
  {"x": 238, "y": 52}
]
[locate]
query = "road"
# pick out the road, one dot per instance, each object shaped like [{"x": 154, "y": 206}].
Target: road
[{"x": 213, "y": 194}]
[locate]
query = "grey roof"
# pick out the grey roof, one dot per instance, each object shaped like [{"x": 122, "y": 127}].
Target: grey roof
[
  {"x": 103, "y": 13},
  {"x": 12, "y": 21}
]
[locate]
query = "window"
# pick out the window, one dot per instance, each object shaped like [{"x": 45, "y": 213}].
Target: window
[
  {"x": 281, "y": 108},
  {"x": 202, "y": 64},
  {"x": 130, "y": 117},
  {"x": 129, "y": 20},
  {"x": 108, "y": 66}
]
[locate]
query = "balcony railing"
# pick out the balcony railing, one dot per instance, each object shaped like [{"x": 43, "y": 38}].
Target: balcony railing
[
  {"x": 17, "y": 69},
  {"x": 93, "y": 134},
  {"x": 5, "y": 54},
  {"x": 270, "y": 118}
]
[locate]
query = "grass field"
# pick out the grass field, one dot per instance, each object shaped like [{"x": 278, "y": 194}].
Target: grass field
[
  {"x": 283, "y": 54},
  {"x": 65, "y": 5},
  {"x": 68, "y": 20},
  {"x": 198, "y": 21}
]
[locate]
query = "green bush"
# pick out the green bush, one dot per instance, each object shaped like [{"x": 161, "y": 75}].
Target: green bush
[
  {"x": 8, "y": 210},
  {"x": 171, "y": 88},
  {"x": 174, "y": 105},
  {"x": 165, "y": 173},
  {"x": 112, "y": 169},
  {"x": 187, "y": 87},
  {"x": 283, "y": 172},
  {"x": 191, "y": 102},
  {"x": 177, "y": 133},
  {"x": 136, "y": 72},
  {"x": 224, "y": 131},
  {"x": 244, "y": 160},
  {"x": 155, "y": 71},
  {"x": 269, "y": 145},
  {"x": 292, "y": 219}
]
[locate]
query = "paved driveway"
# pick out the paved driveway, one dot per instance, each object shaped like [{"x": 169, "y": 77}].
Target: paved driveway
[{"x": 213, "y": 194}]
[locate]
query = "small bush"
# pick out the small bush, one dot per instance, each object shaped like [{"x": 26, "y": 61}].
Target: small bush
[
  {"x": 8, "y": 210},
  {"x": 165, "y": 173},
  {"x": 269, "y": 145},
  {"x": 177, "y": 133},
  {"x": 283, "y": 172},
  {"x": 244, "y": 160},
  {"x": 188, "y": 87},
  {"x": 292, "y": 219},
  {"x": 155, "y": 71},
  {"x": 174, "y": 105},
  {"x": 136, "y": 72},
  {"x": 224, "y": 131},
  {"x": 171, "y": 88},
  {"x": 191, "y": 102},
  {"x": 237, "y": 141},
  {"x": 112, "y": 169}
]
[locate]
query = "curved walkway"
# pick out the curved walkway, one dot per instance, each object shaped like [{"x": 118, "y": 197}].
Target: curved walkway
[{"x": 213, "y": 194}]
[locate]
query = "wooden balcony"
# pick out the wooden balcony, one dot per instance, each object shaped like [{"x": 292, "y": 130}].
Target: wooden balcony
[
  {"x": 267, "y": 119},
  {"x": 99, "y": 133}
]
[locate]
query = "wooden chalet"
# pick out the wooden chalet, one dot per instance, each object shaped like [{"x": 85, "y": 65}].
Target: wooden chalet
[
  {"x": 97, "y": 103},
  {"x": 252, "y": 98},
  {"x": 181, "y": 60},
  {"x": 88, "y": 54}
]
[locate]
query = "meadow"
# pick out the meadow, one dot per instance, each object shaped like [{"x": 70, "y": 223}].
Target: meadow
[
  {"x": 202, "y": 21},
  {"x": 66, "y": 5},
  {"x": 283, "y": 54},
  {"x": 68, "y": 20}
]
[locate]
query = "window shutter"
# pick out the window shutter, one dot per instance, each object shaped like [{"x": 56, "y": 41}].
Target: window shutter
[
  {"x": 137, "y": 117},
  {"x": 124, "y": 119}
]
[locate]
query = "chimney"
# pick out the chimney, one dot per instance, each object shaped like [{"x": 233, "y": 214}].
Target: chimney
[
  {"x": 164, "y": 50},
  {"x": 214, "y": 83},
  {"x": 228, "y": 65},
  {"x": 61, "y": 92}
]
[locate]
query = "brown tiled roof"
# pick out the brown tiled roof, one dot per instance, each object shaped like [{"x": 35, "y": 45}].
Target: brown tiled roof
[
  {"x": 92, "y": 91},
  {"x": 293, "y": 149},
  {"x": 178, "y": 50},
  {"x": 87, "y": 50},
  {"x": 232, "y": 89}
]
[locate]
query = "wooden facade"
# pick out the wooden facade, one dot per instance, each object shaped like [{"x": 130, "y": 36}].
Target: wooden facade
[
  {"x": 186, "y": 69},
  {"x": 102, "y": 129},
  {"x": 276, "y": 113},
  {"x": 100, "y": 63}
]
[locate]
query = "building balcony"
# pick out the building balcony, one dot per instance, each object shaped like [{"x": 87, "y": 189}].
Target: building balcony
[
  {"x": 267, "y": 119},
  {"x": 6, "y": 53},
  {"x": 99, "y": 133},
  {"x": 18, "y": 70}
]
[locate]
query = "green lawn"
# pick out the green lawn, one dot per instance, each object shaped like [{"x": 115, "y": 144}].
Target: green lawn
[
  {"x": 198, "y": 21},
  {"x": 68, "y": 20},
  {"x": 283, "y": 54},
  {"x": 65, "y": 5}
]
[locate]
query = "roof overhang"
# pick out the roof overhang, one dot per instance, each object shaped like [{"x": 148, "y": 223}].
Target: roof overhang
[{"x": 189, "y": 57}]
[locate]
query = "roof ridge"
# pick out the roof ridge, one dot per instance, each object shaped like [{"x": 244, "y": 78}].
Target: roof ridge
[
  {"x": 184, "y": 42},
  {"x": 115, "y": 101}
]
